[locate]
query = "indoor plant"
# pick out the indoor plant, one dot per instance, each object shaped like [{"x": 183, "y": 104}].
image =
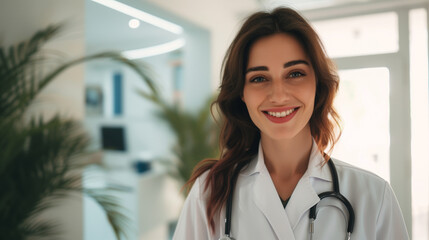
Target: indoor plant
[
  {"x": 196, "y": 132},
  {"x": 41, "y": 158}
]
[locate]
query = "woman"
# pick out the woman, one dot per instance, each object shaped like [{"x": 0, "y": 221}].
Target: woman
[{"x": 276, "y": 98}]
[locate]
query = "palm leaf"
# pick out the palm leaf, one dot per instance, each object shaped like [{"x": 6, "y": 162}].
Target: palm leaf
[
  {"x": 38, "y": 157},
  {"x": 196, "y": 133},
  {"x": 38, "y": 230},
  {"x": 117, "y": 219},
  {"x": 15, "y": 64},
  {"x": 21, "y": 71},
  {"x": 36, "y": 175}
]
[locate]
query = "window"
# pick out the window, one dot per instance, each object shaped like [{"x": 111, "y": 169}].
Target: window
[
  {"x": 383, "y": 65},
  {"x": 365, "y": 118},
  {"x": 361, "y": 35}
]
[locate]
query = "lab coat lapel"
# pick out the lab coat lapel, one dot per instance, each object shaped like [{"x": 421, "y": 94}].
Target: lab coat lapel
[
  {"x": 305, "y": 196},
  {"x": 267, "y": 200},
  {"x": 302, "y": 199}
]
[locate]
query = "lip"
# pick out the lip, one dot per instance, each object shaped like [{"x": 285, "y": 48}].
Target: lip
[
  {"x": 282, "y": 119},
  {"x": 281, "y": 109}
]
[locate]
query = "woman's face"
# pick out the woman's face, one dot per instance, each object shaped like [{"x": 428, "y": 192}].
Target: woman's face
[{"x": 280, "y": 87}]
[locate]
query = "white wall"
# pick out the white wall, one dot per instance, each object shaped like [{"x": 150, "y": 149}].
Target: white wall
[
  {"x": 145, "y": 132},
  {"x": 222, "y": 18},
  {"x": 19, "y": 19},
  {"x": 155, "y": 199},
  {"x": 145, "y": 204}
]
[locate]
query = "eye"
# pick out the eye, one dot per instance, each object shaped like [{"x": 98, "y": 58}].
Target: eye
[
  {"x": 257, "y": 79},
  {"x": 296, "y": 74}
]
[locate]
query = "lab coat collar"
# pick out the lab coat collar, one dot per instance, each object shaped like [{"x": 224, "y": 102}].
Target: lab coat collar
[
  {"x": 304, "y": 195},
  {"x": 266, "y": 199},
  {"x": 316, "y": 165},
  {"x": 256, "y": 165},
  {"x": 303, "y": 198}
]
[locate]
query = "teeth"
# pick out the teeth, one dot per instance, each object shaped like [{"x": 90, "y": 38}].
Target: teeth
[{"x": 281, "y": 114}]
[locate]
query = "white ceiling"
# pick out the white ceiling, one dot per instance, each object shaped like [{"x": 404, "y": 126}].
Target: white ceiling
[
  {"x": 107, "y": 29},
  {"x": 309, "y": 4}
]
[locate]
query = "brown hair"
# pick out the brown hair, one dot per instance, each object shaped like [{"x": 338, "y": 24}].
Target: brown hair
[{"x": 239, "y": 137}]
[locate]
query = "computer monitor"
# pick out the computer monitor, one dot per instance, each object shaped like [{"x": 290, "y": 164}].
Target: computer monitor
[{"x": 113, "y": 138}]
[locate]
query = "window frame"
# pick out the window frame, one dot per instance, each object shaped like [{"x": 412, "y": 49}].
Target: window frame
[{"x": 398, "y": 64}]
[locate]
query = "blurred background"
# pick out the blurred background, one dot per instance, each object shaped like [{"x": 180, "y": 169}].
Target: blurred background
[{"x": 148, "y": 147}]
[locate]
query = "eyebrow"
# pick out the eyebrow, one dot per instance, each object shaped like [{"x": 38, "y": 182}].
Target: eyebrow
[
  {"x": 286, "y": 65},
  {"x": 292, "y": 63}
]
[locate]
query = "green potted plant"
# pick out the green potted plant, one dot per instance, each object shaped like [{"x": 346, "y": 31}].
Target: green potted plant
[
  {"x": 196, "y": 132},
  {"x": 41, "y": 159}
]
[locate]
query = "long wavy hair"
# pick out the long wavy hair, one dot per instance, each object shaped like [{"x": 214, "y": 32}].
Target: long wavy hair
[{"x": 239, "y": 137}]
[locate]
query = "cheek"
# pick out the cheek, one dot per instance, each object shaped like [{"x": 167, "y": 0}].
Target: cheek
[
  {"x": 252, "y": 101},
  {"x": 245, "y": 98},
  {"x": 311, "y": 95},
  {"x": 307, "y": 95},
  {"x": 310, "y": 91},
  {"x": 248, "y": 98}
]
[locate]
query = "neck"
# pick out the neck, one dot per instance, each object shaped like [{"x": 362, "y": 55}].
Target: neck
[{"x": 287, "y": 158}]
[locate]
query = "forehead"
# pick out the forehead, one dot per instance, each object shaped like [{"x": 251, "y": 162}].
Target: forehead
[{"x": 278, "y": 48}]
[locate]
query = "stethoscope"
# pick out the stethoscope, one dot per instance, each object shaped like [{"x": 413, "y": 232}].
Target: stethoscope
[{"x": 330, "y": 194}]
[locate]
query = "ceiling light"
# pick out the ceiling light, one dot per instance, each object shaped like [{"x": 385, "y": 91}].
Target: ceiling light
[
  {"x": 154, "y": 50},
  {"x": 134, "y": 23},
  {"x": 146, "y": 17}
]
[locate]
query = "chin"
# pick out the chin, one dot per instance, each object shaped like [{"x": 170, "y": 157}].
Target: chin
[
  {"x": 288, "y": 133},
  {"x": 282, "y": 135}
]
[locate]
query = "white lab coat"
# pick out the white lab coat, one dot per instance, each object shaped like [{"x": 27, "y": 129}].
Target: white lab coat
[{"x": 258, "y": 213}]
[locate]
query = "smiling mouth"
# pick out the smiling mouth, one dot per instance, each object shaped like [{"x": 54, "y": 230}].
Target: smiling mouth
[{"x": 281, "y": 114}]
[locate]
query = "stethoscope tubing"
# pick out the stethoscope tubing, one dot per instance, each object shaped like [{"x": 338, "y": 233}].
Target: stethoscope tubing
[
  {"x": 228, "y": 212},
  {"x": 334, "y": 194}
]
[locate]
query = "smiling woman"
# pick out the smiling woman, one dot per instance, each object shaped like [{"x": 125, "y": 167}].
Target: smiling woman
[
  {"x": 280, "y": 87},
  {"x": 272, "y": 180}
]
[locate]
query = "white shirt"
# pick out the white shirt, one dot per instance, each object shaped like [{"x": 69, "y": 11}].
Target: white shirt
[{"x": 257, "y": 212}]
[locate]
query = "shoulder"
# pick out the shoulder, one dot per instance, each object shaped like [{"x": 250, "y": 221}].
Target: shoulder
[
  {"x": 362, "y": 187},
  {"x": 198, "y": 190},
  {"x": 192, "y": 223},
  {"x": 373, "y": 200},
  {"x": 349, "y": 172}
]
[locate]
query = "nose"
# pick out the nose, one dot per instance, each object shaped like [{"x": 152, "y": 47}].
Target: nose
[{"x": 279, "y": 92}]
